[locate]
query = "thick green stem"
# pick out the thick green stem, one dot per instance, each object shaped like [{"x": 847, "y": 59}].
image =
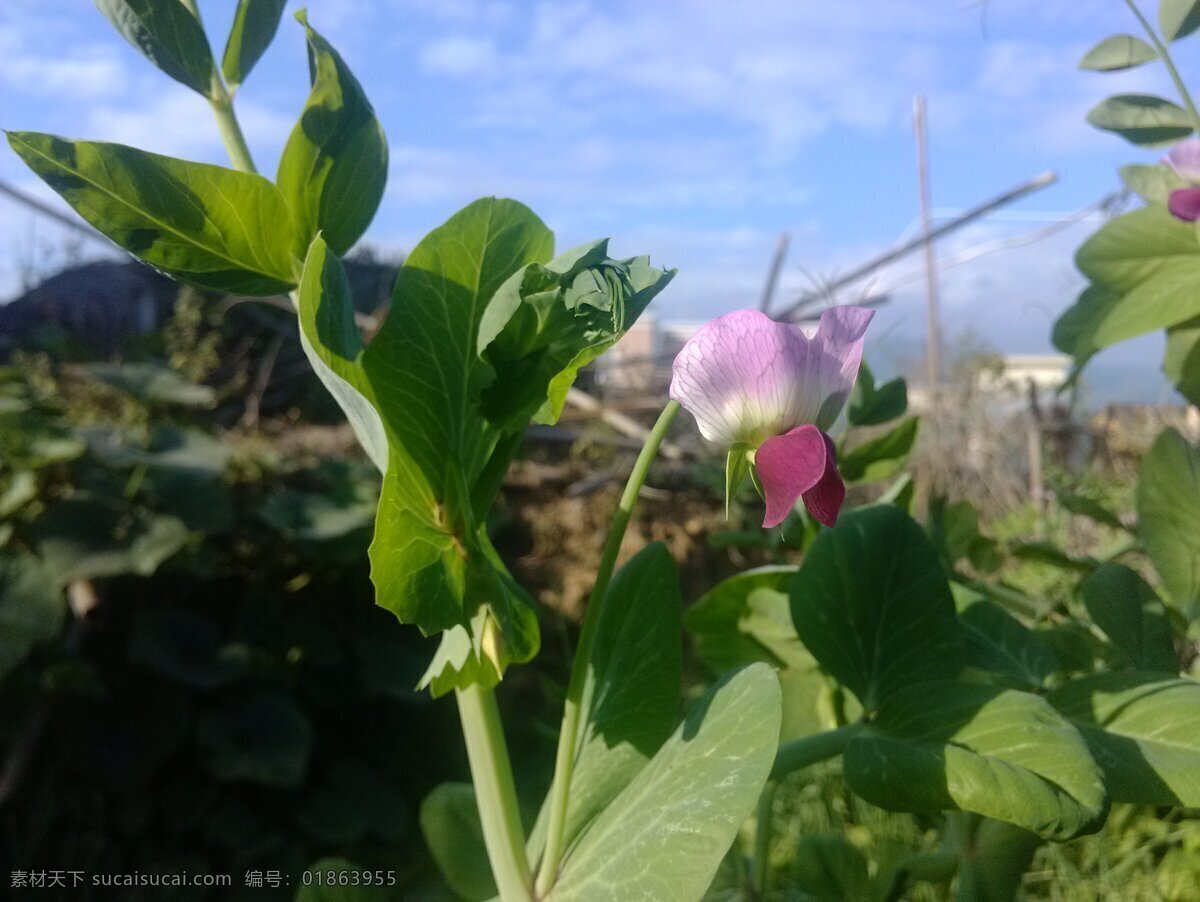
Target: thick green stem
[
  {"x": 495, "y": 792},
  {"x": 813, "y": 749},
  {"x": 581, "y": 671},
  {"x": 231, "y": 131},
  {"x": 1165, "y": 56},
  {"x": 222, "y": 107},
  {"x": 762, "y": 840}
]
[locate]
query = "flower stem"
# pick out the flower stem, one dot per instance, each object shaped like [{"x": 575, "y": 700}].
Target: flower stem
[
  {"x": 813, "y": 749},
  {"x": 581, "y": 669},
  {"x": 495, "y": 793},
  {"x": 1165, "y": 56}
]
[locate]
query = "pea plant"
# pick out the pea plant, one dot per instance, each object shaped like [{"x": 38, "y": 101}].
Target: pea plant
[{"x": 942, "y": 692}]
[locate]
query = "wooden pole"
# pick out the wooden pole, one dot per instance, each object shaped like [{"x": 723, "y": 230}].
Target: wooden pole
[
  {"x": 933, "y": 341},
  {"x": 773, "y": 273}
]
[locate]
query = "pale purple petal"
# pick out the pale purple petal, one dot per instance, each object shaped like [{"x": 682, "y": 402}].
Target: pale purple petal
[
  {"x": 1185, "y": 204},
  {"x": 1184, "y": 158},
  {"x": 746, "y": 378},
  {"x": 788, "y": 466}
]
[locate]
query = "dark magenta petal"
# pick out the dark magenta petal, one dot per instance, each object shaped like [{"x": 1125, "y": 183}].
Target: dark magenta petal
[
  {"x": 824, "y": 499},
  {"x": 1184, "y": 204},
  {"x": 789, "y": 465}
]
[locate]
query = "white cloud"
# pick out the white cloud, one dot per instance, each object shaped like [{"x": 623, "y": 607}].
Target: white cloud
[{"x": 458, "y": 57}]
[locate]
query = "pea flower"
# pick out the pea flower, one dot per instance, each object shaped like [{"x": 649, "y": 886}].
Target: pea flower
[
  {"x": 1184, "y": 158},
  {"x": 769, "y": 394}
]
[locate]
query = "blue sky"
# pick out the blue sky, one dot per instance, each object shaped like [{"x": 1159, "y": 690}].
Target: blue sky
[{"x": 693, "y": 131}]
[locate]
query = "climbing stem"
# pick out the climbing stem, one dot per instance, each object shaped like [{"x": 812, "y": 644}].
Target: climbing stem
[
  {"x": 810, "y": 750},
  {"x": 568, "y": 736},
  {"x": 495, "y": 792},
  {"x": 762, "y": 840}
]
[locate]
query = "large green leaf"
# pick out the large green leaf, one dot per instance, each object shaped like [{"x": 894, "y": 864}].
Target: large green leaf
[
  {"x": 1132, "y": 616},
  {"x": 254, "y": 26},
  {"x": 31, "y": 608},
  {"x": 334, "y": 166},
  {"x": 664, "y": 836},
  {"x": 261, "y": 738},
  {"x": 999, "y": 643},
  {"x": 86, "y": 536},
  {"x": 882, "y": 456},
  {"x": 1120, "y": 51},
  {"x": 1152, "y": 184},
  {"x": 152, "y": 383},
  {"x": 872, "y": 605},
  {"x": 1178, "y": 18},
  {"x": 745, "y": 619},
  {"x": 1151, "y": 262},
  {"x": 1181, "y": 362},
  {"x": 168, "y": 35},
  {"x": 334, "y": 346},
  {"x": 993, "y": 859},
  {"x": 998, "y": 752},
  {"x": 222, "y": 229},
  {"x": 631, "y": 698},
  {"x": 1168, "y": 503},
  {"x": 872, "y": 404},
  {"x": 546, "y": 322},
  {"x": 1144, "y": 730},
  {"x": 427, "y": 375},
  {"x": 1142, "y": 119},
  {"x": 454, "y": 834}
]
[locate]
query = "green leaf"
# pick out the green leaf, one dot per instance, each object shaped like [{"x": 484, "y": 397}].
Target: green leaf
[
  {"x": 1178, "y": 18},
  {"x": 1144, "y": 730},
  {"x": 152, "y": 383},
  {"x": 1132, "y": 616},
  {"x": 254, "y": 27},
  {"x": 992, "y": 865},
  {"x": 333, "y": 344},
  {"x": 168, "y": 35},
  {"x": 737, "y": 470},
  {"x": 185, "y": 647},
  {"x": 745, "y": 619},
  {"x": 454, "y": 834},
  {"x": 1083, "y": 506},
  {"x": 999, "y": 643},
  {"x": 631, "y": 697},
  {"x": 426, "y": 375},
  {"x": 871, "y": 405},
  {"x": 30, "y": 441},
  {"x": 547, "y": 321},
  {"x": 17, "y": 489},
  {"x": 86, "y": 537},
  {"x": 318, "y": 516},
  {"x": 830, "y": 869},
  {"x": 222, "y": 229},
  {"x": 665, "y": 835},
  {"x": 1120, "y": 51},
  {"x": 31, "y": 608},
  {"x": 334, "y": 166},
  {"x": 260, "y": 738},
  {"x": 1142, "y": 119},
  {"x": 1182, "y": 360},
  {"x": 333, "y": 879},
  {"x": 880, "y": 457},
  {"x": 1143, "y": 266},
  {"x": 872, "y": 605},
  {"x": 1153, "y": 184},
  {"x": 997, "y": 752},
  {"x": 1168, "y": 503}
]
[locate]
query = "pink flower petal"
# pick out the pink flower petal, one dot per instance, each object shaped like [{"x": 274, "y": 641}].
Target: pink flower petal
[
  {"x": 1184, "y": 158},
  {"x": 745, "y": 377},
  {"x": 824, "y": 500},
  {"x": 1184, "y": 204},
  {"x": 788, "y": 466}
]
